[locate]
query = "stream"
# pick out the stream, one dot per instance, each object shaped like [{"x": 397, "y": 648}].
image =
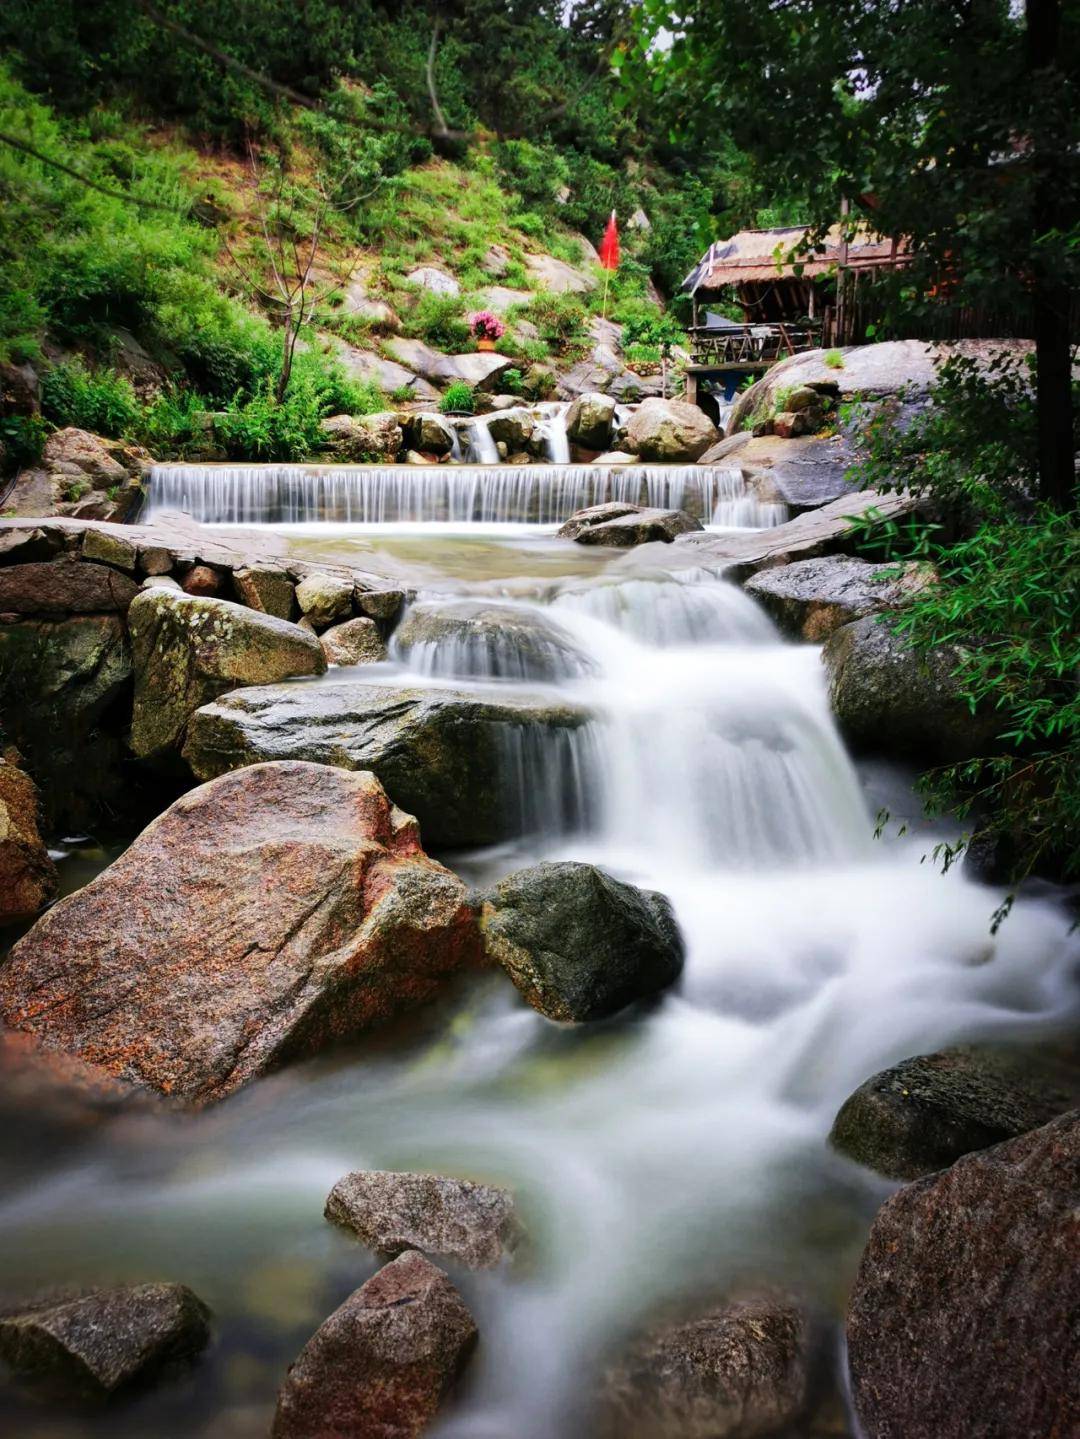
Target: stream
[{"x": 676, "y": 1149}]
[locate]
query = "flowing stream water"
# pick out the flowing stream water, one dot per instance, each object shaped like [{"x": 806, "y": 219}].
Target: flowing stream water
[{"x": 679, "y": 1148}]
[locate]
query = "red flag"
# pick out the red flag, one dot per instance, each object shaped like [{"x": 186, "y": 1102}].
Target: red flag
[{"x": 609, "y": 245}]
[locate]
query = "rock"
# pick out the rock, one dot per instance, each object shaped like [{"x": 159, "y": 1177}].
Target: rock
[
  {"x": 386, "y": 374},
  {"x": 358, "y": 438},
  {"x": 379, "y": 604},
  {"x": 497, "y": 261},
  {"x": 429, "y": 433},
  {"x": 414, "y": 457},
  {"x": 669, "y": 430},
  {"x": 437, "y": 281},
  {"x": 203, "y": 580},
  {"x": 889, "y": 699},
  {"x": 155, "y": 559},
  {"x": 261, "y": 918},
  {"x": 739, "y": 1370},
  {"x": 80, "y": 454},
  {"x": 356, "y": 642},
  {"x": 27, "y": 874},
  {"x": 962, "y": 1320},
  {"x": 632, "y": 525},
  {"x": 18, "y": 546},
  {"x": 589, "y": 420},
  {"x": 557, "y": 276},
  {"x": 61, "y": 682},
  {"x": 577, "y": 943},
  {"x": 449, "y": 756},
  {"x": 265, "y": 588},
  {"x": 790, "y": 426},
  {"x": 110, "y": 549},
  {"x": 188, "y": 650},
  {"x": 64, "y": 586},
  {"x": 81, "y": 472},
  {"x": 446, "y": 1218},
  {"x": 474, "y": 639},
  {"x": 812, "y": 598},
  {"x": 382, "y": 1363},
  {"x": 20, "y": 389},
  {"x": 499, "y": 298},
  {"x": 357, "y": 301},
  {"x": 615, "y": 457},
  {"x": 924, "y": 1113},
  {"x": 724, "y": 449},
  {"x": 162, "y": 582},
  {"x": 96, "y": 1343},
  {"x": 481, "y": 370},
  {"x": 324, "y": 598},
  {"x": 512, "y": 428}
]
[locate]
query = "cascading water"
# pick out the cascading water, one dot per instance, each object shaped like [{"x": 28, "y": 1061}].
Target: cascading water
[
  {"x": 676, "y": 1150},
  {"x": 458, "y": 494}
]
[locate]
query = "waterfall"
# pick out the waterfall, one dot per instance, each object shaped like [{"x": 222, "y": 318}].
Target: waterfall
[
  {"x": 551, "y": 779},
  {"x": 552, "y": 430},
  {"x": 457, "y": 494},
  {"x": 481, "y": 448}
]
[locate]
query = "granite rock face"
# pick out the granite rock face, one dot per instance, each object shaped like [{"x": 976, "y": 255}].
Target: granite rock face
[
  {"x": 27, "y": 874},
  {"x": 810, "y": 599}
]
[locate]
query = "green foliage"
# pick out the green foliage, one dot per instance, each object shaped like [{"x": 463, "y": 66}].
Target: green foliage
[
  {"x": 458, "y": 399},
  {"x": 653, "y": 330},
  {"x": 22, "y": 438},
  {"x": 98, "y": 400},
  {"x": 536, "y": 172},
  {"x": 834, "y": 359},
  {"x": 561, "y": 320},
  {"x": 511, "y": 381},
  {"x": 440, "y": 320},
  {"x": 1008, "y": 574}
]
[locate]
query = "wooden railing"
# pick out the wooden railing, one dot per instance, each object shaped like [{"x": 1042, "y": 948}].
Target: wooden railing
[{"x": 751, "y": 344}]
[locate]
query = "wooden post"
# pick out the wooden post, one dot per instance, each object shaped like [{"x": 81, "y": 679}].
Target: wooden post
[
  {"x": 841, "y": 278},
  {"x": 691, "y": 388}
]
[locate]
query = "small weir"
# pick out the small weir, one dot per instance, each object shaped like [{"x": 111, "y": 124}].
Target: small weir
[{"x": 541, "y": 494}]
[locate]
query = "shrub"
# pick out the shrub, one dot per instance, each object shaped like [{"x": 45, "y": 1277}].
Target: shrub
[
  {"x": 834, "y": 359},
  {"x": 439, "y": 320},
  {"x": 458, "y": 398},
  {"x": 536, "y": 172},
  {"x": 512, "y": 381},
  {"x": 22, "y": 438},
  {"x": 560, "y": 320},
  {"x": 98, "y": 400}
]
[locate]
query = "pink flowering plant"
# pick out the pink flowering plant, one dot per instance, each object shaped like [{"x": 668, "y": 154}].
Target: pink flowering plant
[{"x": 486, "y": 326}]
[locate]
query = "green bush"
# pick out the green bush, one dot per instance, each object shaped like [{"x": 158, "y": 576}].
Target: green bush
[
  {"x": 458, "y": 399},
  {"x": 97, "y": 400},
  {"x": 440, "y": 321},
  {"x": 22, "y": 438},
  {"x": 561, "y": 320}
]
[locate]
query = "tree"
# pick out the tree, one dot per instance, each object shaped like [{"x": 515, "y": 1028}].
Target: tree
[{"x": 958, "y": 121}]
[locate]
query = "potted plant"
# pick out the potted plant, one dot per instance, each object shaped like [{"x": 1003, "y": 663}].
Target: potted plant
[{"x": 486, "y": 329}]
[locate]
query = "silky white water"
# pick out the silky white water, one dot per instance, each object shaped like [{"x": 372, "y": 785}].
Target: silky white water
[{"x": 676, "y": 1149}]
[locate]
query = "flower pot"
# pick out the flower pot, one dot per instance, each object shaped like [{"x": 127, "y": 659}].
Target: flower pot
[{"x": 483, "y": 344}]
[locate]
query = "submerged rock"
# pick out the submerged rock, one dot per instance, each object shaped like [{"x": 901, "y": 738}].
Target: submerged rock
[
  {"x": 669, "y": 430},
  {"x": 625, "y": 525},
  {"x": 453, "y": 758},
  {"x": 382, "y": 1363},
  {"x": 483, "y": 640},
  {"x": 27, "y": 874},
  {"x": 812, "y": 598},
  {"x": 962, "y": 1320},
  {"x": 924, "y": 1113},
  {"x": 577, "y": 943},
  {"x": 262, "y": 917},
  {"x": 356, "y": 642},
  {"x": 737, "y": 1371},
  {"x": 446, "y": 1218},
  {"x": 96, "y": 1343},
  {"x": 891, "y": 699},
  {"x": 188, "y": 650}
]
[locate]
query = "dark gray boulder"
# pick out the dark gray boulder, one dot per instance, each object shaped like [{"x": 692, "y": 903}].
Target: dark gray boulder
[
  {"x": 963, "y": 1319},
  {"x": 390, "y": 1212},
  {"x": 380, "y": 1366},
  {"x": 924, "y": 1113},
  {"x": 893, "y": 700},
  {"x": 621, "y": 526},
  {"x": 811, "y": 598},
  {"x": 96, "y": 1343},
  {"x": 577, "y": 943},
  {"x": 452, "y": 758},
  {"x": 738, "y": 1370}
]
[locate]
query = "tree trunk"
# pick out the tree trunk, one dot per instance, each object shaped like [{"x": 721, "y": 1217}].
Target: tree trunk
[
  {"x": 286, "y": 358},
  {"x": 1052, "y": 300}
]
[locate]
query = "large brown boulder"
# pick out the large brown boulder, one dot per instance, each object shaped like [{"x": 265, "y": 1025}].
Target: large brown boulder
[
  {"x": 262, "y": 917},
  {"x": 739, "y": 1370},
  {"x": 622, "y": 526},
  {"x": 96, "y": 1343},
  {"x": 27, "y": 874},
  {"x": 446, "y": 1218},
  {"x": 963, "y": 1319},
  {"x": 669, "y": 430},
  {"x": 379, "y": 1367},
  {"x": 189, "y": 649},
  {"x": 83, "y": 475},
  {"x": 64, "y": 586}
]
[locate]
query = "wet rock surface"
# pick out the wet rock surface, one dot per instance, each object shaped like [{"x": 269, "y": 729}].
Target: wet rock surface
[
  {"x": 96, "y": 1343},
  {"x": 962, "y": 1320},
  {"x": 812, "y": 598},
  {"x": 382, "y": 1363},
  {"x": 356, "y": 642},
  {"x": 480, "y": 639},
  {"x": 448, "y": 1219},
  {"x": 622, "y": 526},
  {"x": 738, "y": 1370},
  {"x": 579, "y": 944},
  {"x": 187, "y": 650},
  {"x": 924, "y": 1113},
  {"x": 262, "y": 917},
  {"x": 441, "y": 753},
  {"x": 891, "y": 699}
]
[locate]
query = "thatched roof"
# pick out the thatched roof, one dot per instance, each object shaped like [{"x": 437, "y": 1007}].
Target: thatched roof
[{"x": 751, "y": 255}]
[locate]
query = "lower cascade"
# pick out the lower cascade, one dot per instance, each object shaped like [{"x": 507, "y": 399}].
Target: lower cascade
[{"x": 485, "y": 493}]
